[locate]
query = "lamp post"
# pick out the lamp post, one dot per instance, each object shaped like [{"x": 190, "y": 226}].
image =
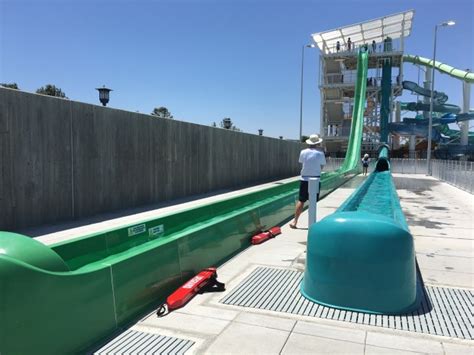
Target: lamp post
[
  {"x": 104, "y": 95},
  {"x": 430, "y": 120},
  {"x": 227, "y": 123},
  {"x": 301, "y": 94}
]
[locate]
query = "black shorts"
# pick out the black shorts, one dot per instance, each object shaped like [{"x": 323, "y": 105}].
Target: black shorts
[
  {"x": 304, "y": 193},
  {"x": 365, "y": 165}
]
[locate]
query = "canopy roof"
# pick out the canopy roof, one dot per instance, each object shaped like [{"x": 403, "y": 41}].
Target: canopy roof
[{"x": 394, "y": 26}]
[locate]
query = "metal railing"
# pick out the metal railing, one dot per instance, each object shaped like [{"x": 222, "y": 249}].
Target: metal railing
[
  {"x": 408, "y": 166},
  {"x": 455, "y": 172},
  {"x": 379, "y": 48},
  {"x": 351, "y": 78}
]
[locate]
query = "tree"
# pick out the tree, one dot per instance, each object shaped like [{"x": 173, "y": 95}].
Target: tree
[
  {"x": 162, "y": 112},
  {"x": 228, "y": 124},
  {"x": 51, "y": 90},
  {"x": 10, "y": 85},
  {"x": 304, "y": 138}
]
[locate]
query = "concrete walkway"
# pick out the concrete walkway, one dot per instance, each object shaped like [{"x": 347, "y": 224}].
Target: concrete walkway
[{"x": 440, "y": 217}]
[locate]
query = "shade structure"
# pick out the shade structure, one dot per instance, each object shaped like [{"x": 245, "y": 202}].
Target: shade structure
[{"x": 393, "y": 26}]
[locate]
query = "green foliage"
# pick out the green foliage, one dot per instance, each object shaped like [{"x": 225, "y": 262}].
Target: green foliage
[
  {"x": 162, "y": 112},
  {"x": 10, "y": 85},
  {"x": 51, "y": 90},
  {"x": 304, "y": 138}
]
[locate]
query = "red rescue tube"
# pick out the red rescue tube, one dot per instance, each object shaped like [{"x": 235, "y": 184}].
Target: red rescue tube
[
  {"x": 261, "y": 237},
  {"x": 206, "y": 278},
  {"x": 275, "y": 231},
  {"x": 264, "y": 236}
]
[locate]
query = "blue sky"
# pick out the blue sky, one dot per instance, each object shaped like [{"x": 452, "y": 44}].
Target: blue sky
[{"x": 207, "y": 59}]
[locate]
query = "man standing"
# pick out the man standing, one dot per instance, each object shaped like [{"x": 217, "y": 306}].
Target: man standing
[{"x": 313, "y": 161}]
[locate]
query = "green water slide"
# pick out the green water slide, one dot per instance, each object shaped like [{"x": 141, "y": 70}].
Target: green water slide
[
  {"x": 355, "y": 139},
  {"x": 66, "y": 297},
  {"x": 443, "y": 68}
]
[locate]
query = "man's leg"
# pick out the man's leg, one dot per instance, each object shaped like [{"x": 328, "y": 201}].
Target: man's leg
[
  {"x": 298, "y": 210},
  {"x": 303, "y": 196}
]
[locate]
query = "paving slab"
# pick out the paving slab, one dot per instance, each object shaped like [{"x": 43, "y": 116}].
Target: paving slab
[
  {"x": 406, "y": 342},
  {"x": 331, "y": 332},
  {"x": 458, "y": 349},
  {"x": 307, "y": 344},
  {"x": 247, "y": 339},
  {"x": 375, "y": 350},
  {"x": 279, "y": 323}
]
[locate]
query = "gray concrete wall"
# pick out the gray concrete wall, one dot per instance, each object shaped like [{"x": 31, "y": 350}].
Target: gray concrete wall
[{"x": 63, "y": 160}]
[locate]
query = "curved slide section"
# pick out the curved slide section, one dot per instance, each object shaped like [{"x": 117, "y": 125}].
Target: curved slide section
[
  {"x": 444, "y": 68},
  {"x": 439, "y": 97},
  {"x": 420, "y": 106}
]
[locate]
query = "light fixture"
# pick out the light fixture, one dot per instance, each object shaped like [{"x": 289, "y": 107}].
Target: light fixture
[
  {"x": 448, "y": 23},
  {"x": 227, "y": 123},
  {"x": 104, "y": 95}
]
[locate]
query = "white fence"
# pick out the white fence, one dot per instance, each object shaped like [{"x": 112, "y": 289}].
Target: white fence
[
  {"x": 454, "y": 172},
  {"x": 408, "y": 166}
]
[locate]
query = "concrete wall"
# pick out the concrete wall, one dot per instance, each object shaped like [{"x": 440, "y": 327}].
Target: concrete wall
[{"x": 63, "y": 160}]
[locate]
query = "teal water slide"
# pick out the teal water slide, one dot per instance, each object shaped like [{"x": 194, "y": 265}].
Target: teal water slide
[
  {"x": 418, "y": 126},
  {"x": 66, "y": 297},
  {"x": 362, "y": 257},
  {"x": 386, "y": 93},
  {"x": 438, "y": 97}
]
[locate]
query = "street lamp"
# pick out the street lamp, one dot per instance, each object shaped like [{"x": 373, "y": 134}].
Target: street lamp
[
  {"x": 227, "y": 123},
  {"x": 301, "y": 94},
  {"x": 430, "y": 120},
  {"x": 104, "y": 95}
]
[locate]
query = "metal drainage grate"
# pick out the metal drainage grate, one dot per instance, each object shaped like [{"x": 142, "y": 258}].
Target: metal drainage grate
[
  {"x": 135, "y": 342},
  {"x": 444, "y": 311}
]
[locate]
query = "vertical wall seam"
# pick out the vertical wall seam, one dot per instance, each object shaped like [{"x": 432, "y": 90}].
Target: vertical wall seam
[
  {"x": 113, "y": 294},
  {"x": 71, "y": 145}
]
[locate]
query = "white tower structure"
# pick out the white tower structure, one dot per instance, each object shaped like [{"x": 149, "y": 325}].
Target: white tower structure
[{"x": 384, "y": 38}]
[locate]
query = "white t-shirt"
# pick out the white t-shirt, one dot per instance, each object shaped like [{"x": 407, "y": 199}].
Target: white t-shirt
[{"x": 313, "y": 160}]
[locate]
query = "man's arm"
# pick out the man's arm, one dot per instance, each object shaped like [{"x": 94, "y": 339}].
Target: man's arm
[{"x": 323, "y": 160}]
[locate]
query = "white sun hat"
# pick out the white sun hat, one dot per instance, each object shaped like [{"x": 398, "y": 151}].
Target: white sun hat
[
  {"x": 366, "y": 155},
  {"x": 314, "y": 139}
]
